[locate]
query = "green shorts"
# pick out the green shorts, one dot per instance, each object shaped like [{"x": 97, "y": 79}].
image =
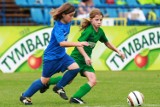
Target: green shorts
[{"x": 84, "y": 67}]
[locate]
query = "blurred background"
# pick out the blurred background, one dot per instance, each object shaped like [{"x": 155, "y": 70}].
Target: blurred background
[
  {"x": 25, "y": 30},
  {"x": 116, "y": 12}
]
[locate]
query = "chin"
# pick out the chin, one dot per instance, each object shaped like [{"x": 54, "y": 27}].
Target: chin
[{"x": 98, "y": 26}]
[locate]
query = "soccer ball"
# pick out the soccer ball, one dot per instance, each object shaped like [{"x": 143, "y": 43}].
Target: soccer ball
[{"x": 135, "y": 98}]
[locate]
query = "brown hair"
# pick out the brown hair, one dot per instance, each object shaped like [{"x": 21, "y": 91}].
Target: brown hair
[
  {"x": 64, "y": 9},
  {"x": 86, "y": 22}
]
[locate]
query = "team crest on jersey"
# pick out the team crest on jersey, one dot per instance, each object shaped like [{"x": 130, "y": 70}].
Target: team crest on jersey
[
  {"x": 91, "y": 38},
  {"x": 92, "y": 44}
]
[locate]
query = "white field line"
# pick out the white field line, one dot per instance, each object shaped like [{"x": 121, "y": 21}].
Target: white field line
[{"x": 144, "y": 105}]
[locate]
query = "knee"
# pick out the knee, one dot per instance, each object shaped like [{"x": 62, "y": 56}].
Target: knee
[
  {"x": 92, "y": 82},
  {"x": 44, "y": 80}
]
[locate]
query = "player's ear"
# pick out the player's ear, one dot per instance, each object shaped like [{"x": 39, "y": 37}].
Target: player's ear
[
  {"x": 90, "y": 19},
  {"x": 63, "y": 15}
]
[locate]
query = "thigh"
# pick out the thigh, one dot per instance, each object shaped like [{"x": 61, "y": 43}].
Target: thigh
[
  {"x": 51, "y": 67},
  {"x": 68, "y": 63},
  {"x": 91, "y": 76},
  {"x": 87, "y": 68},
  {"x": 73, "y": 66}
]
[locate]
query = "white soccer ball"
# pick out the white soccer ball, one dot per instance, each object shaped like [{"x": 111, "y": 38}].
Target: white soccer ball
[{"x": 135, "y": 98}]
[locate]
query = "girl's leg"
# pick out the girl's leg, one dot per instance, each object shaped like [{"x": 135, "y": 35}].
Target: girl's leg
[
  {"x": 73, "y": 70},
  {"x": 85, "y": 88},
  {"x": 52, "y": 81},
  {"x": 35, "y": 86}
]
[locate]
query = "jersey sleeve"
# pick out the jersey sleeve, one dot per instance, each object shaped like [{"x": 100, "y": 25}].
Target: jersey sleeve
[
  {"x": 59, "y": 35},
  {"x": 84, "y": 36},
  {"x": 103, "y": 37}
]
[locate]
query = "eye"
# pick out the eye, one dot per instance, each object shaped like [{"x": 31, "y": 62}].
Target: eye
[
  {"x": 71, "y": 15},
  {"x": 96, "y": 19}
]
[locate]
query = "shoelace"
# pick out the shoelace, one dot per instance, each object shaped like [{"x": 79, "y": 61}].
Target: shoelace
[
  {"x": 60, "y": 91},
  {"x": 27, "y": 100}
]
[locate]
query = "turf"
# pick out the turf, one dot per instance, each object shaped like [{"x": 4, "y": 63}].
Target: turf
[{"x": 111, "y": 90}]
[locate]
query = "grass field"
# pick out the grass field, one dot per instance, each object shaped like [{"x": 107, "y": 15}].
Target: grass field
[{"x": 111, "y": 90}]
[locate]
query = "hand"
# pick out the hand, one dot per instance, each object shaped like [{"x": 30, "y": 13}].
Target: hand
[
  {"x": 88, "y": 61},
  {"x": 121, "y": 55},
  {"x": 81, "y": 44}
]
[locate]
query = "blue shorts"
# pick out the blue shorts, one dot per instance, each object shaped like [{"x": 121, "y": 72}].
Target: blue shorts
[{"x": 51, "y": 67}]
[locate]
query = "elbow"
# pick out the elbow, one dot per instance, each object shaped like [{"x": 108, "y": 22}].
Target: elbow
[{"x": 61, "y": 44}]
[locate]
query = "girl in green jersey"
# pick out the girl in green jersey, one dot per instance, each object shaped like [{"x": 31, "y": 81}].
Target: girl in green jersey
[{"x": 92, "y": 33}]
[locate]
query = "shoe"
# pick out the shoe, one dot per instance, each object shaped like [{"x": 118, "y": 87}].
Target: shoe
[
  {"x": 61, "y": 92},
  {"x": 44, "y": 88},
  {"x": 25, "y": 100},
  {"x": 76, "y": 100}
]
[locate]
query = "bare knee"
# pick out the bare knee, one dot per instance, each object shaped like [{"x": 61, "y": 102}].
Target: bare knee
[
  {"x": 73, "y": 66},
  {"x": 92, "y": 82},
  {"x": 44, "y": 80}
]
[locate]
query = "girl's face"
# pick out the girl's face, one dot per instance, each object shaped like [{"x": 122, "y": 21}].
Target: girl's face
[
  {"x": 96, "y": 21},
  {"x": 67, "y": 17}
]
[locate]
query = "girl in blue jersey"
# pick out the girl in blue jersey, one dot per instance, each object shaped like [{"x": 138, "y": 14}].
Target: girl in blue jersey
[{"x": 55, "y": 57}]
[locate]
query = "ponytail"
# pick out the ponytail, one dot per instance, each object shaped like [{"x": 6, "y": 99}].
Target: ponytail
[{"x": 85, "y": 24}]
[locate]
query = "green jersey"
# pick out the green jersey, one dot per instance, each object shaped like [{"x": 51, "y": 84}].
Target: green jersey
[{"x": 92, "y": 37}]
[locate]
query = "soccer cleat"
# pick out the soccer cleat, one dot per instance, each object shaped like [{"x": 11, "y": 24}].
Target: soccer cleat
[
  {"x": 60, "y": 92},
  {"x": 76, "y": 101},
  {"x": 44, "y": 88},
  {"x": 25, "y": 100}
]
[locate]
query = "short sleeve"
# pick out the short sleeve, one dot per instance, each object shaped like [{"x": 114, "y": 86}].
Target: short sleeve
[
  {"x": 103, "y": 37},
  {"x": 84, "y": 36},
  {"x": 59, "y": 35}
]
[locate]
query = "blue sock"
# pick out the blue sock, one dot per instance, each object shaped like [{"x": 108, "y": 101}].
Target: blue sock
[
  {"x": 36, "y": 85},
  {"x": 67, "y": 77}
]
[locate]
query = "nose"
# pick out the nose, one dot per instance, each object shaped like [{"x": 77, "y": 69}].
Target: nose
[{"x": 99, "y": 21}]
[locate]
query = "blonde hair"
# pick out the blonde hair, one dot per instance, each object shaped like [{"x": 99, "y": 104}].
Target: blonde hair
[
  {"x": 66, "y": 8},
  {"x": 86, "y": 22}
]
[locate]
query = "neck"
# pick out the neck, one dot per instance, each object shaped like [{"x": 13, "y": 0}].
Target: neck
[
  {"x": 63, "y": 21},
  {"x": 95, "y": 28}
]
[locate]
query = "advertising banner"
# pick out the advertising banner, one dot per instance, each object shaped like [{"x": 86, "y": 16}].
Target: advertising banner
[{"x": 22, "y": 47}]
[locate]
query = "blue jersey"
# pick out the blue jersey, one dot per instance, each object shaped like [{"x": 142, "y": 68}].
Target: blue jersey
[{"x": 59, "y": 34}]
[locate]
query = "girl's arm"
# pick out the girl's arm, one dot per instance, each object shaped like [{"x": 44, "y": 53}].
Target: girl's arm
[
  {"x": 112, "y": 47},
  {"x": 84, "y": 54},
  {"x": 73, "y": 44}
]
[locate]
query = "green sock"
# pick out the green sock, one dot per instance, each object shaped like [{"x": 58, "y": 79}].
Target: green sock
[
  {"x": 83, "y": 90},
  {"x": 54, "y": 80}
]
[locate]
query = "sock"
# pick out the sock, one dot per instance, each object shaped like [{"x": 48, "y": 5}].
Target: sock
[
  {"x": 54, "y": 80},
  {"x": 83, "y": 90},
  {"x": 67, "y": 77},
  {"x": 35, "y": 86}
]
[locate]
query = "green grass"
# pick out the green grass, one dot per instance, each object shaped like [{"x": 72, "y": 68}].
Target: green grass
[{"x": 111, "y": 90}]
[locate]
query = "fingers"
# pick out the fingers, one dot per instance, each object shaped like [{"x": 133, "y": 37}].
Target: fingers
[
  {"x": 86, "y": 43},
  {"x": 122, "y": 56},
  {"x": 88, "y": 62}
]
